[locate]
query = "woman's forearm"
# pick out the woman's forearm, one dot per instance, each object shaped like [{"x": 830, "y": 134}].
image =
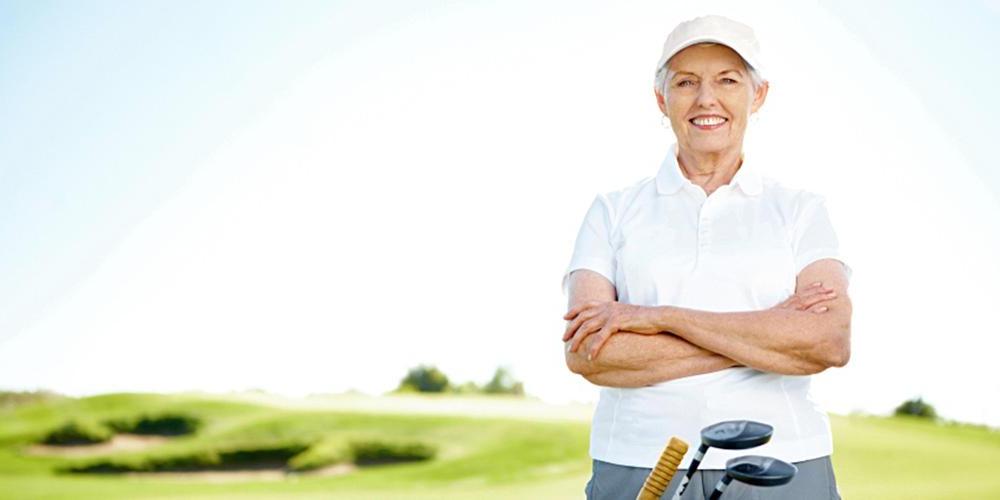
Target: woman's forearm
[
  {"x": 775, "y": 340},
  {"x": 634, "y": 360},
  {"x": 659, "y": 372},
  {"x": 780, "y": 339}
]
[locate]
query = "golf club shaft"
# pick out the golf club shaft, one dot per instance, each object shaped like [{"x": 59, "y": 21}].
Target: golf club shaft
[
  {"x": 720, "y": 487},
  {"x": 659, "y": 478},
  {"x": 695, "y": 462}
]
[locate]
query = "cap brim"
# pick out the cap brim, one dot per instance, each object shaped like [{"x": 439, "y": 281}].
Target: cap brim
[{"x": 707, "y": 39}]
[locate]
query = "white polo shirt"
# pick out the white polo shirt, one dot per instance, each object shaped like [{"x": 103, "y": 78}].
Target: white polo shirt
[{"x": 663, "y": 242}]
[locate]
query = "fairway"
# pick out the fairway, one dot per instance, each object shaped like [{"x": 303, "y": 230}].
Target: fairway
[{"x": 486, "y": 448}]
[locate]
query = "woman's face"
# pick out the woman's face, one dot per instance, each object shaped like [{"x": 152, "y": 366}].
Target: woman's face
[{"x": 710, "y": 98}]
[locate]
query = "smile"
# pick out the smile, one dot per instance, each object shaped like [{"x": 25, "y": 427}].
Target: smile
[{"x": 708, "y": 122}]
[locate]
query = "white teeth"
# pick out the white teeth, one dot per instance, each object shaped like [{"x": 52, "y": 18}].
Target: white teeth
[{"x": 708, "y": 121}]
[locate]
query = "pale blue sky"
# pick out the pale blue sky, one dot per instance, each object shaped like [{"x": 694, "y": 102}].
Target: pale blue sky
[
  {"x": 144, "y": 141},
  {"x": 946, "y": 53},
  {"x": 109, "y": 106}
]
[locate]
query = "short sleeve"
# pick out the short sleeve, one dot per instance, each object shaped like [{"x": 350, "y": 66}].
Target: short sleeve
[
  {"x": 814, "y": 237},
  {"x": 593, "y": 249}
]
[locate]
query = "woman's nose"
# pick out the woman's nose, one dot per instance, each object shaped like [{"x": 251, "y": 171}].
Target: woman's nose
[{"x": 706, "y": 95}]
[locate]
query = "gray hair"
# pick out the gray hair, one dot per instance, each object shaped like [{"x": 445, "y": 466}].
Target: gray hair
[{"x": 664, "y": 74}]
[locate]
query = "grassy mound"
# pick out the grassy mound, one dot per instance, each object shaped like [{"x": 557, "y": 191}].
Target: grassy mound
[
  {"x": 328, "y": 451},
  {"x": 86, "y": 431},
  {"x": 381, "y": 452},
  {"x": 156, "y": 425},
  {"x": 297, "y": 457},
  {"x": 498, "y": 454},
  {"x": 78, "y": 432},
  {"x": 250, "y": 458},
  {"x": 360, "y": 452}
]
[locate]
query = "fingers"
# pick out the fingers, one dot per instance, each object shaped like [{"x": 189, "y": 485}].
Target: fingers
[
  {"x": 817, "y": 295},
  {"x": 601, "y": 338},
  {"x": 814, "y": 294},
  {"x": 588, "y": 327},
  {"x": 577, "y": 309},
  {"x": 576, "y": 315},
  {"x": 579, "y": 314},
  {"x": 577, "y": 321},
  {"x": 815, "y": 298}
]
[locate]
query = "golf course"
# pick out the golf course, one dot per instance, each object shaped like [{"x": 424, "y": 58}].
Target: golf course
[{"x": 255, "y": 446}]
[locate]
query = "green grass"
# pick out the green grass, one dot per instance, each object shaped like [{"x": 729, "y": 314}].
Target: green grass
[
  {"x": 506, "y": 452},
  {"x": 908, "y": 458}
]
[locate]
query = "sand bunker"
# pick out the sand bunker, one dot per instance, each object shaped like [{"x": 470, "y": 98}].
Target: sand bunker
[
  {"x": 134, "y": 442},
  {"x": 229, "y": 476},
  {"x": 120, "y": 442}
]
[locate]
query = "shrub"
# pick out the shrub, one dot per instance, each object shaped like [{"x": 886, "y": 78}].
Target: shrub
[
  {"x": 381, "y": 452},
  {"x": 424, "y": 378},
  {"x": 273, "y": 456},
  {"x": 159, "y": 425},
  {"x": 77, "y": 432},
  {"x": 916, "y": 408},
  {"x": 105, "y": 467},
  {"x": 231, "y": 459},
  {"x": 360, "y": 452},
  {"x": 293, "y": 456},
  {"x": 204, "y": 460}
]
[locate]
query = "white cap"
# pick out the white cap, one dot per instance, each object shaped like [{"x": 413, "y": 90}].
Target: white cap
[{"x": 713, "y": 29}]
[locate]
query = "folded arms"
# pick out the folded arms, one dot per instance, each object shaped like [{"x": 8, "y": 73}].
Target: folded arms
[{"x": 622, "y": 345}]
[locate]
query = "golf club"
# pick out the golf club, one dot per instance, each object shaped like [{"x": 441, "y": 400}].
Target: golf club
[
  {"x": 728, "y": 435},
  {"x": 755, "y": 470}
]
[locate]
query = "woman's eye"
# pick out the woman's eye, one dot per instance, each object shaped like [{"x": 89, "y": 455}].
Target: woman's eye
[
  {"x": 729, "y": 81},
  {"x": 685, "y": 83}
]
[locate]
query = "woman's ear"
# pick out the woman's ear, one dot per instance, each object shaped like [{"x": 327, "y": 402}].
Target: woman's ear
[
  {"x": 759, "y": 96},
  {"x": 661, "y": 102}
]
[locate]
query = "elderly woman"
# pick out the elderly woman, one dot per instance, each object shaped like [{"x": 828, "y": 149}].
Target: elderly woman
[{"x": 708, "y": 292}]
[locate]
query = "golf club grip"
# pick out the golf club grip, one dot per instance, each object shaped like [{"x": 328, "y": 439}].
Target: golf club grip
[{"x": 658, "y": 479}]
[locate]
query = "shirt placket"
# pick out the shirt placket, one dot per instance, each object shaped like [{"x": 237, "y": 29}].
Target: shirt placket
[{"x": 709, "y": 207}]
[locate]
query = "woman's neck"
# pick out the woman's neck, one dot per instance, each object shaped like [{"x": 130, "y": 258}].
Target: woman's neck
[{"x": 710, "y": 170}]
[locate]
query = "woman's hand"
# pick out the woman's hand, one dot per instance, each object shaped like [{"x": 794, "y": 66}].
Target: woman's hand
[
  {"x": 603, "y": 319},
  {"x": 810, "y": 299}
]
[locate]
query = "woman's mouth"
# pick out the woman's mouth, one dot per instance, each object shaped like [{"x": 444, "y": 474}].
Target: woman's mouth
[{"x": 708, "y": 122}]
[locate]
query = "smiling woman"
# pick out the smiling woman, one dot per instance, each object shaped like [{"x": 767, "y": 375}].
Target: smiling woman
[
  {"x": 710, "y": 89},
  {"x": 709, "y": 292}
]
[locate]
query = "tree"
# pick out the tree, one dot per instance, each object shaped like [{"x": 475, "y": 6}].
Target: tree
[
  {"x": 916, "y": 408},
  {"x": 424, "y": 378},
  {"x": 503, "y": 382}
]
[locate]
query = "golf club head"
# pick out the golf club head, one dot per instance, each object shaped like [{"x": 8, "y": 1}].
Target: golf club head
[
  {"x": 736, "y": 434},
  {"x": 760, "y": 471}
]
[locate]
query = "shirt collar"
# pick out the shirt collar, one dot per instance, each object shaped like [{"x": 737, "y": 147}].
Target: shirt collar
[{"x": 670, "y": 179}]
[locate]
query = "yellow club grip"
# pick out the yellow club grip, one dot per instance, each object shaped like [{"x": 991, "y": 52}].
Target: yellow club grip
[{"x": 666, "y": 467}]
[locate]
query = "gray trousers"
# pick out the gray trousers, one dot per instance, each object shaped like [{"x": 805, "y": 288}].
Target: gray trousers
[{"x": 814, "y": 481}]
